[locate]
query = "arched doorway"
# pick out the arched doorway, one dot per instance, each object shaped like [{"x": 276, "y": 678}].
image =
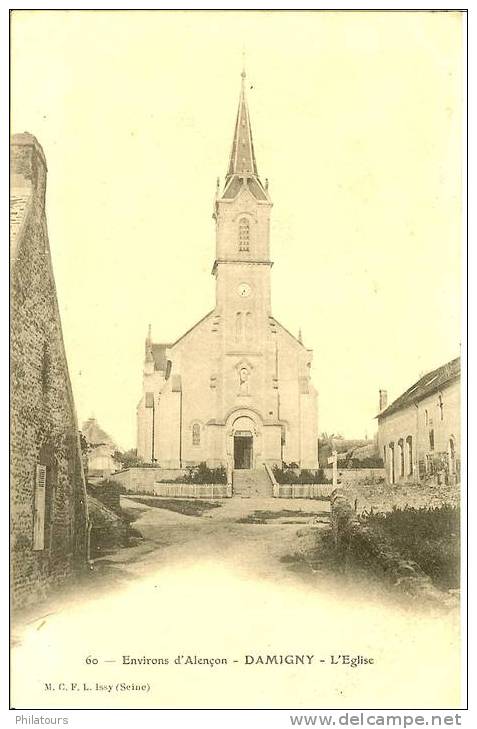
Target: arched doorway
[
  {"x": 243, "y": 449},
  {"x": 243, "y": 436}
]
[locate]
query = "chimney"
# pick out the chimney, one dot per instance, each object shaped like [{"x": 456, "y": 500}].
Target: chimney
[{"x": 383, "y": 400}]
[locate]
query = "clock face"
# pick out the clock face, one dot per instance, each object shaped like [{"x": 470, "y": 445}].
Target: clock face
[{"x": 244, "y": 290}]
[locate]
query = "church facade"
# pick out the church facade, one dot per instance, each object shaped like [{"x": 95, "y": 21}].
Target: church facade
[{"x": 235, "y": 390}]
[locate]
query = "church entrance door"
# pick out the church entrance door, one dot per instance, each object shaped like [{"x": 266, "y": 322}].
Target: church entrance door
[{"x": 243, "y": 449}]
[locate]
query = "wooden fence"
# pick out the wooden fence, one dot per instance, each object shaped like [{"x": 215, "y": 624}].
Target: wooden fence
[
  {"x": 193, "y": 490},
  {"x": 302, "y": 491}
]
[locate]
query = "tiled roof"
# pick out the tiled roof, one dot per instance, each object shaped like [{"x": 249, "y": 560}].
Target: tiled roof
[
  {"x": 235, "y": 184},
  {"x": 429, "y": 383},
  {"x": 255, "y": 187},
  {"x": 232, "y": 189},
  {"x": 242, "y": 164},
  {"x": 242, "y": 158},
  {"x": 94, "y": 434},
  {"x": 159, "y": 355}
]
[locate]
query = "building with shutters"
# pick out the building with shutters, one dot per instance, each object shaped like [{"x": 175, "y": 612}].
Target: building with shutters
[
  {"x": 419, "y": 433},
  {"x": 49, "y": 516},
  {"x": 235, "y": 390}
]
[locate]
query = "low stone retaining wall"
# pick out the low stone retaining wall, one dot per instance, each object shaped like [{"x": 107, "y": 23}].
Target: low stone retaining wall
[
  {"x": 384, "y": 497},
  {"x": 357, "y": 475},
  {"x": 356, "y": 541},
  {"x": 107, "y": 493},
  {"x": 107, "y": 529},
  {"x": 193, "y": 490},
  {"x": 142, "y": 480}
]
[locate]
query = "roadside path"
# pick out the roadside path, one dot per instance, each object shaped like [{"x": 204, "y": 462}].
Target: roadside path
[{"x": 213, "y": 587}]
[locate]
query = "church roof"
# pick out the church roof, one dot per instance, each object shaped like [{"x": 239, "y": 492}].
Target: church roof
[
  {"x": 192, "y": 328},
  {"x": 159, "y": 355},
  {"x": 242, "y": 168},
  {"x": 275, "y": 322},
  {"x": 234, "y": 186},
  {"x": 426, "y": 385},
  {"x": 242, "y": 158}
]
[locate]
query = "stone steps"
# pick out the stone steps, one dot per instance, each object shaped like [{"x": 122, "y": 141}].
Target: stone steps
[{"x": 248, "y": 483}]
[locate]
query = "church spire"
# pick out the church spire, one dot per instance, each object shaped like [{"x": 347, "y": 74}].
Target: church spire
[
  {"x": 242, "y": 158},
  {"x": 242, "y": 171},
  {"x": 148, "y": 348}
]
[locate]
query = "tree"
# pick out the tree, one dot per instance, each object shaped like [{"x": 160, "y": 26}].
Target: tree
[
  {"x": 127, "y": 459},
  {"x": 83, "y": 444}
]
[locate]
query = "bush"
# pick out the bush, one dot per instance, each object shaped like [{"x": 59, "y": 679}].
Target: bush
[
  {"x": 290, "y": 474},
  {"x": 428, "y": 536},
  {"x": 130, "y": 459},
  {"x": 107, "y": 492},
  {"x": 203, "y": 474}
]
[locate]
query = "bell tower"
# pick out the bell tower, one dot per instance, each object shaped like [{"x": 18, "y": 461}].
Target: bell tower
[{"x": 242, "y": 215}]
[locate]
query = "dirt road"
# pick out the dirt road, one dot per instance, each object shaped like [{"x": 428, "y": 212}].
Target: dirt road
[{"x": 223, "y": 590}]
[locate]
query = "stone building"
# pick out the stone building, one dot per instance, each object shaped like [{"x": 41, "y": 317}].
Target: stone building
[
  {"x": 100, "y": 449},
  {"x": 419, "y": 433},
  {"x": 48, "y": 497},
  {"x": 235, "y": 390}
]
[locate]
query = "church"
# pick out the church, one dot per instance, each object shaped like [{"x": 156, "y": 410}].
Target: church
[{"x": 235, "y": 390}]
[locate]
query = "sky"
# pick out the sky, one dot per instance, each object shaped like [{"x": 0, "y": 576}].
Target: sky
[{"x": 356, "y": 118}]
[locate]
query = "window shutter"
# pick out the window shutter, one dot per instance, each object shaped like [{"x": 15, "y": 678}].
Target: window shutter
[{"x": 39, "y": 509}]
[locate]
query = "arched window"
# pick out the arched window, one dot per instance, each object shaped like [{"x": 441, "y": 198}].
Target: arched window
[
  {"x": 391, "y": 464},
  {"x": 196, "y": 434},
  {"x": 440, "y": 405},
  {"x": 401, "y": 457},
  {"x": 284, "y": 435},
  {"x": 431, "y": 439},
  {"x": 410, "y": 467},
  {"x": 426, "y": 417},
  {"x": 238, "y": 325},
  {"x": 248, "y": 325},
  {"x": 244, "y": 235}
]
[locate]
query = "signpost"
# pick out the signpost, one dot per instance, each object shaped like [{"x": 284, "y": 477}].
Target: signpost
[{"x": 333, "y": 460}]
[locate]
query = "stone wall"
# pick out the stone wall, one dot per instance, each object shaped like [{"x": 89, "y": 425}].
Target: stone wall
[
  {"x": 384, "y": 497},
  {"x": 142, "y": 480},
  {"x": 356, "y": 475},
  {"x": 108, "y": 493},
  {"x": 44, "y": 428},
  {"x": 108, "y": 529}
]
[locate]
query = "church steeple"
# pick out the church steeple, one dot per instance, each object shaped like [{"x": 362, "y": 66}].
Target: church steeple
[
  {"x": 242, "y": 216},
  {"x": 242, "y": 158},
  {"x": 242, "y": 169},
  {"x": 149, "y": 359}
]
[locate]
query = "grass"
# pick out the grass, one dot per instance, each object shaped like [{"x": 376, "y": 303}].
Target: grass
[
  {"x": 192, "y": 507},
  {"x": 428, "y": 536},
  {"x": 263, "y": 517}
]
